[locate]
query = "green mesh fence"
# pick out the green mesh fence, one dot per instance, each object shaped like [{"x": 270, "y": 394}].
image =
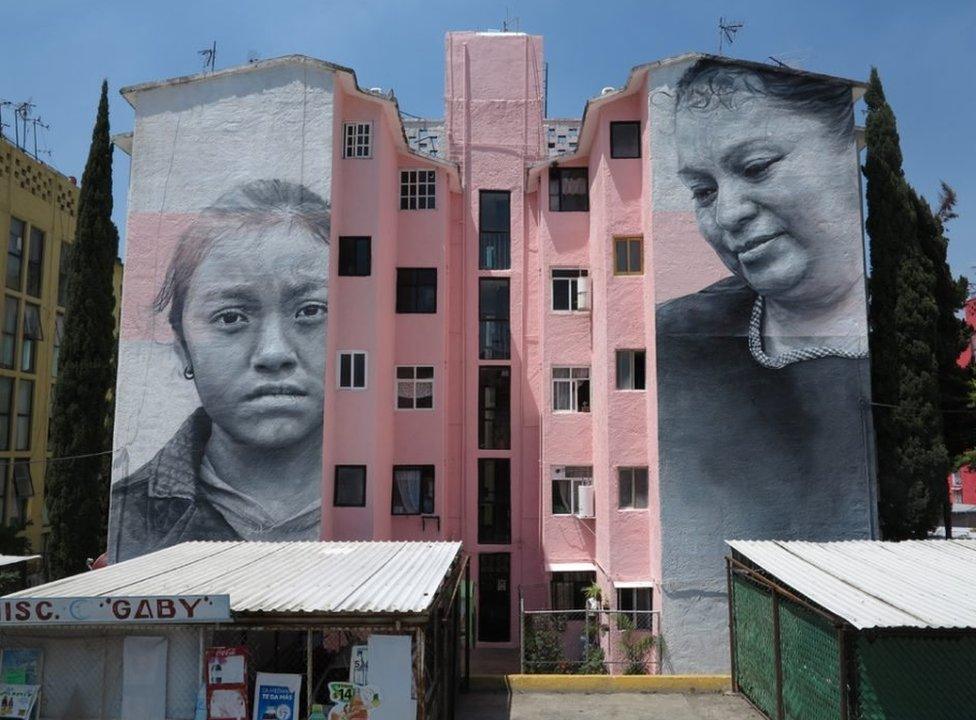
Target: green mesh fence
[
  {"x": 755, "y": 665},
  {"x": 916, "y": 678},
  {"x": 810, "y": 656}
]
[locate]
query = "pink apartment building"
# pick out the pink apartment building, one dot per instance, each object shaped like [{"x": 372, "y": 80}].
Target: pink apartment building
[{"x": 491, "y": 349}]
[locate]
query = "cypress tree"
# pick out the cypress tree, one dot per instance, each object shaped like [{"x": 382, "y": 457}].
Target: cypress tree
[
  {"x": 78, "y": 484},
  {"x": 904, "y": 319}
]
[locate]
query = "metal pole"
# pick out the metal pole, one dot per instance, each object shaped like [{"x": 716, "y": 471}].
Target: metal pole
[
  {"x": 466, "y": 683},
  {"x": 728, "y": 578},
  {"x": 777, "y": 658},
  {"x": 521, "y": 633},
  {"x": 308, "y": 672}
]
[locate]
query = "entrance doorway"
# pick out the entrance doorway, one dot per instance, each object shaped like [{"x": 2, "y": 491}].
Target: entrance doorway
[{"x": 494, "y": 597}]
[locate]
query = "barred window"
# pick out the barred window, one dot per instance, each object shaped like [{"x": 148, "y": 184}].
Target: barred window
[
  {"x": 417, "y": 189},
  {"x": 359, "y": 140}
]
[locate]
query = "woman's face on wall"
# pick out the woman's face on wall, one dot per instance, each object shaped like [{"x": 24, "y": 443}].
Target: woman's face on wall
[
  {"x": 254, "y": 325},
  {"x": 776, "y": 196}
]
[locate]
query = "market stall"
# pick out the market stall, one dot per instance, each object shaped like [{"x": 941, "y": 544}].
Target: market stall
[{"x": 318, "y": 630}]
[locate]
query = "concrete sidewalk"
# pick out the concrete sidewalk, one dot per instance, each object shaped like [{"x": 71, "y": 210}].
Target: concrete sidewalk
[{"x": 625, "y": 706}]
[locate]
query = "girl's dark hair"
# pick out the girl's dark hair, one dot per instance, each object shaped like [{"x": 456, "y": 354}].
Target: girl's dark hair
[
  {"x": 710, "y": 83},
  {"x": 254, "y": 204}
]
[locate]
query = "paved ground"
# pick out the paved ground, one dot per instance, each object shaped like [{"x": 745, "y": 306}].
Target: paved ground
[{"x": 622, "y": 706}]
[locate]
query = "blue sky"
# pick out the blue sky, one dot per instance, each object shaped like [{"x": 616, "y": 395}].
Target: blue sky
[{"x": 57, "y": 51}]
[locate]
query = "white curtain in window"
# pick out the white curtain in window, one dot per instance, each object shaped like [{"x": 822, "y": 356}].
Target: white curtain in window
[
  {"x": 424, "y": 390},
  {"x": 408, "y": 486}
]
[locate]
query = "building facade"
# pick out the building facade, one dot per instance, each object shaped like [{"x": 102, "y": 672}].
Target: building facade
[
  {"x": 591, "y": 350},
  {"x": 37, "y": 215}
]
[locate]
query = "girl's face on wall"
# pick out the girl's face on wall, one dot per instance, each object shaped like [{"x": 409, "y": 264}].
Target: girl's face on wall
[
  {"x": 254, "y": 324},
  {"x": 775, "y": 195}
]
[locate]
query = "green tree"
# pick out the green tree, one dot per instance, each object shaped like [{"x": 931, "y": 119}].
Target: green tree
[
  {"x": 905, "y": 325},
  {"x": 81, "y": 423}
]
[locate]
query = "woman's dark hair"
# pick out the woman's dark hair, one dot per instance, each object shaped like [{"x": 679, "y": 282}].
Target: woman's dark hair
[
  {"x": 710, "y": 83},
  {"x": 254, "y": 204}
]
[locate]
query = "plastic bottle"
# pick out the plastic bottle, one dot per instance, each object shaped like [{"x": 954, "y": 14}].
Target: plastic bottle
[{"x": 318, "y": 713}]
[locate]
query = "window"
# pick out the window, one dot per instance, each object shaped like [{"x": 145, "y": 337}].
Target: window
[
  {"x": 571, "y": 389},
  {"x": 570, "y": 290},
  {"x": 35, "y": 259},
  {"x": 494, "y": 230},
  {"x": 355, "y": 258},
  {"x": 630, "y": 369},
  {"x": 566, "y": 482},
  {"x": 494, "y": 390},
  {"x": 632, "y": 492},
  {"x": 637, "y": 602},
  {"x": 63, "y": 274},
  {"x": 625, "y": 139},
  {"x": 4, "y": 482},
  {"x": 352, "y": 370},
  {"x": 413, "y": 490},
  {"x": 628, "y": 256},
  {"x": 32, "y": 335},
  {"x": 23, "y": 489},
  {"x": 25, "y": 401},
  {"x": 6, "y": 410},
  {"x": 15, "y": 252},
  {"x": 8, "y": 341},
  {"x": 568, "y": 589},
  {"x": 494, "y": 501},
  {"x": 56, "y": 347},
  {"x": 359, "y": 140},
  {"x": 493, "y": 329},
  {"x": 417, "y": 189},
  {"x": 415, "y": 387},
  {"x": 350, "y": 486},
  {"x": 569, "y": 189},
  {"x": 416, "y": 290}
]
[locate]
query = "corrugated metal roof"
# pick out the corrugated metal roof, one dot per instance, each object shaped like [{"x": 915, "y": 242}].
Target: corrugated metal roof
[
  {"x": 14, "y": 559},
  {"x": 279, "y": 577},
  {"x": 874, "y": 584}
]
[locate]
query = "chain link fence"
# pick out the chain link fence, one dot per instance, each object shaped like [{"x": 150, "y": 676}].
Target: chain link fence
[{"x": 590, "y": 642}]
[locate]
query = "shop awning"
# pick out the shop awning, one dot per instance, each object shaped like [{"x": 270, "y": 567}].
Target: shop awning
[
  {"x": 623, "y": 584},
  {"x": 346, "y": 579}
]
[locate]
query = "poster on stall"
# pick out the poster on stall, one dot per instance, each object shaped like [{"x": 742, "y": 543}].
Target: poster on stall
[
  {"x": 359, "y": 665},
  {"x": 21, "y": 666},
  {"x": 225, "y": 666},
  {"x": 352, "y": 702},
  {"x": 276, "y": 696},
  {"x": 17, "y": 701},
  {"x": 227, "y": 683}
]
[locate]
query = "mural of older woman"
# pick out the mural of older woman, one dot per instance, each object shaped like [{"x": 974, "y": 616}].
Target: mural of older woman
[
  {"x": 246, "y": 295},
  {"x": 763, "y": 377}
]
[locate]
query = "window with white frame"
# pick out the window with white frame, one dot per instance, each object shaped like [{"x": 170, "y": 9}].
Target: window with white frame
[
  {"x": 352, "y": 370},
  {"x": 417, "y": 189},
  {"x": 415, "y": 387},
  {"x": 637, "y": 603},
  {"x": 566, "y": 484},
  {"x": 570, "y": 290},
  {"x": 632, "y": 488},
  {"x": 631, "y": 372},
  {"x": 359, "y": 140},
  {"x": 571, "y": 389}
]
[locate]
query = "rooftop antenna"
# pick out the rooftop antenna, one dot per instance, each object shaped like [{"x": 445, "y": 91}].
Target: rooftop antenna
[
  {"x": 3, "y": 104},
  {"x": 253, "y": 56},
  {"x": 726, "y": 32},
  {"x": 22, "y": 112},
  {"x": 508, "y": 22},
  {"x": 209, "y": 57},
  {"x": 780, "y": 62},
  {"x": 37, "y": 122}
]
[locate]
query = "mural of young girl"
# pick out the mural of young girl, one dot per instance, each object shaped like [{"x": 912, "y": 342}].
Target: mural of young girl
[
  {"x": 763, "y": 377},
  {"x": 246, "y": 295}
]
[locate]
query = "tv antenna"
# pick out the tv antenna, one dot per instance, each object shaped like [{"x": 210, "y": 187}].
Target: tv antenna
[
  {"x": 3, "y": 104},
  {"x": 508, "y": 22},
  {"x": 37, "y": 122},
  {"x": 779, "y": 62},
  {"x": 21, "y": 118},
  {"x": 726, "y": 32},
  {"x": 209, "y": 57}
]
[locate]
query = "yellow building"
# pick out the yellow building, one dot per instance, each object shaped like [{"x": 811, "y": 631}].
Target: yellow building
[{"x": 38, "y": 206}]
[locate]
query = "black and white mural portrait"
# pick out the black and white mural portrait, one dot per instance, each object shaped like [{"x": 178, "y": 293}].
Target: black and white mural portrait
[
  {"x": 222, "y": 358},
  {"x": 762, "y": 356}
]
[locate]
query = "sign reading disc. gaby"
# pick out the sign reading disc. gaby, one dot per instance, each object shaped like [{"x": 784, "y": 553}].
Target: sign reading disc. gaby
[{"x": 122, "y": 609}]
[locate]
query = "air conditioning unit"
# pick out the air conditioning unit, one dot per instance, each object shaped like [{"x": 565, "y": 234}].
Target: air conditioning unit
[{"x": 585, "y": 505}]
